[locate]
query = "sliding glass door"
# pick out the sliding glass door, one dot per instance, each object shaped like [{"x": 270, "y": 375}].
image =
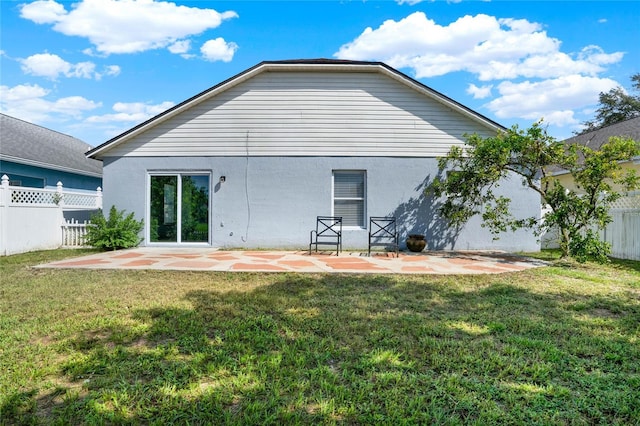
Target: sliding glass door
[{"x": 179, "y": 208}]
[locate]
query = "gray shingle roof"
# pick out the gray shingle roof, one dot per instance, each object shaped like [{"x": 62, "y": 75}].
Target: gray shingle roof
[
  {"x": 28, "y": 143},
  {"x": 595, "y": 139}
]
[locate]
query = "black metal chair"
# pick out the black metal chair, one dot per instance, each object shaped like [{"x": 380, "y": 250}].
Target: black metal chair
[
  {"x": 383, "y": 232},
  {"x": 328, "y": 232}
]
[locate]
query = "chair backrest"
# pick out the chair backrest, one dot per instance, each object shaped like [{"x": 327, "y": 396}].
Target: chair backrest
[
  {"x": 329, "y": 226},
  {"x": 382, "y": 227}
]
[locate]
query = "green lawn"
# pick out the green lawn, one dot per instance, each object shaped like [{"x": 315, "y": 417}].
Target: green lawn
[{"x": 553, "y": 345}]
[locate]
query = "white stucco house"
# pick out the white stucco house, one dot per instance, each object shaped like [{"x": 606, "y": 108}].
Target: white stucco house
[{"x": 252, "y": 161}]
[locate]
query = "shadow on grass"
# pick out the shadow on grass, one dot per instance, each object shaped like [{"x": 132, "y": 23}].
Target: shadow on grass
[
  {"x": 633, "y": 265},
  {"x": 355, "y": 349},
  {"x": 553, "y": 257}
]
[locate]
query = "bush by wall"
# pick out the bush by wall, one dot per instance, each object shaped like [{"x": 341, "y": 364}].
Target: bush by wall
[{"x": 114, "y": 232}]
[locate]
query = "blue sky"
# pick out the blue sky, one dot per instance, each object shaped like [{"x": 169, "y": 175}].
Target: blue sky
[{"x": 95, "y": 68}]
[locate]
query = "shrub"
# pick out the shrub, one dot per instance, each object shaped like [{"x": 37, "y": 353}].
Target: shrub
[
  {"x": 115, "y": 232},
  {"x": 588, "y": 246}
]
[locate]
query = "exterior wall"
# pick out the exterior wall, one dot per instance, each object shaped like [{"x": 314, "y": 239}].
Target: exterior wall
[
  {"x": 309, "y": 114},
  {"x": 272, "y": 202},
  {"x": 567, "y": 180},
  {"x": 49, "y": 176}
]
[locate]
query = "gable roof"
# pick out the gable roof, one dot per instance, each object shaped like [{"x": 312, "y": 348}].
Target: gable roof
[
  {"x": 30, "y": 144},
  {"x": 295, "y": 65},
  {"x": 596, "y": 138}
]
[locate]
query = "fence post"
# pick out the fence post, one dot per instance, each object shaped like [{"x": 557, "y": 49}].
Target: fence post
[
  {"x": 5, "y": 198},
  {"x": 59, "y": 200},
  {"x": 4, "y": 195},
  {"x": 99, "y": 198}
]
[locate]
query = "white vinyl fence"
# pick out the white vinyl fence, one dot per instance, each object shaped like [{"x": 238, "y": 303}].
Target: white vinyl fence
[
  {"x": 623, "y": 233},
  {"x": 33, "y": 218},
  {"x": 74, "y": 232}
]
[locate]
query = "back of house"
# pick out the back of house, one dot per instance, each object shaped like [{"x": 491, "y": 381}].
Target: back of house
[{"x": 252, "y": 161}]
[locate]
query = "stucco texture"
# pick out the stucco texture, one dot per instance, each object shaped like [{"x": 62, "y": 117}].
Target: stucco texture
[{"x": 272, "y": 202}]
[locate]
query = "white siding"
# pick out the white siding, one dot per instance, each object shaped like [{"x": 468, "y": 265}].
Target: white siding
[{"x": 309, "y": 114}]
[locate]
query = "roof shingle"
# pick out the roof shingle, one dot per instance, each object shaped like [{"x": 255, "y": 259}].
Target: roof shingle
[
  {"x": 596, "y": 138},
  {"x": 28, "y": 143}
]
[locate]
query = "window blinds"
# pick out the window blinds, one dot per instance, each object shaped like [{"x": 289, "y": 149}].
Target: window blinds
[{"x": 348, "y": 197}]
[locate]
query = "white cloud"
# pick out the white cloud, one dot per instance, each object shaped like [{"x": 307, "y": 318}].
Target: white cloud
[
  {"x": 74, "y": 105},
  {"x": 483, "y": 45},
  {"x": 52, "y": 67},
  {"x": 45, "y": 65},
  {"x": 134, "y": 112},
  {"x": 481, "y": 92},
  {"x": 595, "y": 55},
  {"x": 555, "y": 100},
  {"x": 43, "y": 12},
  {"x": 112, "y": 70},
  {"x": 30, "y": 103},
  {"x": 180, "y": 47},
  {"x": 129, "y": 26},
  {"x": 84, "y": 70},
  {"x": 218, "y": 50},
  {"x": 22, "y": 92},
  {"x": 533, "y": 77}
]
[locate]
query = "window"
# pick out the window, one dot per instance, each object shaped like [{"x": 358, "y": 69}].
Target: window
[
  {"x": 27, "y": 181},
  {"x": 348, "y": 197}
]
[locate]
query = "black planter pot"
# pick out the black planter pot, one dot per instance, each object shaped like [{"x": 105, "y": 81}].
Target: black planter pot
[{"x": 416, "y": 243}]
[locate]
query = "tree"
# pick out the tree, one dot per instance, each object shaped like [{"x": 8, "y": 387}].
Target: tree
[
  {"x": 615, "y": 106},
  {"x": 468, "y": 177}
]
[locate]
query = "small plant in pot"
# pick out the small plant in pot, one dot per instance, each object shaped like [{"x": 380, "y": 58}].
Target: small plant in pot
[{"x": 416, "y": 243}]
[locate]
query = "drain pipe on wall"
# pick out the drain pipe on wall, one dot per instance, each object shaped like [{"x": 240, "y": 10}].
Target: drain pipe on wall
[{"x": 246, "y": 188}]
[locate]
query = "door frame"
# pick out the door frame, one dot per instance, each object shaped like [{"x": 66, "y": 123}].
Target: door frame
[{"x": 147, "y": 213}]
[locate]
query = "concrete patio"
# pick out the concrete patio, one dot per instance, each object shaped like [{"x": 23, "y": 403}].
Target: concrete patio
[{"x": 207, "y": 259}]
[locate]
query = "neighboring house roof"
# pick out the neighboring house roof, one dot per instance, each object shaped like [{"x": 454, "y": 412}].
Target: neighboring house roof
[
  {"x": 30, "y": 144},
  {"x": 596, "y": 138},
  {"x": 296, "y": 65}
]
